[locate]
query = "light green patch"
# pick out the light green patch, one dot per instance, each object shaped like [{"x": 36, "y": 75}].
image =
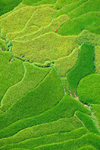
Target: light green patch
[
  {"x": 42, "y": 17},
  {"x": 25, "y": 31},
  {"x": 52, "y": 27},
  {"x": 3, "y": 45},
  {"x": 47, "y": 47},
  {"x": 87, "y": 37},
  {"x": 63, "y": 65},
  {"x": 16, "y": 21},
  {"x": 65, "y": 85}
]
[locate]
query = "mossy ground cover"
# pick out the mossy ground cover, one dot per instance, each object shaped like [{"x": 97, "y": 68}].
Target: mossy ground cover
[{"x": 49, "y": 86}]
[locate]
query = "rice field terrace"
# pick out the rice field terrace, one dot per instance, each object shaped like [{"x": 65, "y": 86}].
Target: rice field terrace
[{"x": 49, "y": 74}]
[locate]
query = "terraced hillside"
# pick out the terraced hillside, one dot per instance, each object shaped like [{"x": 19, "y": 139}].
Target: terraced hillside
[{"x": 50, "y": 75}]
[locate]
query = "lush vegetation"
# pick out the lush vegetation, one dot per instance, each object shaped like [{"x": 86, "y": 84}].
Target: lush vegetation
[{"x": 49, "y": 75}]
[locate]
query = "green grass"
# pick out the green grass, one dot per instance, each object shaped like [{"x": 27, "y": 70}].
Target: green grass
[
  {"x": 65, "y": 108},
  {"x": 32, "y": 77},
  {"x": 47, "y": 47},
  {"x": 52, "y": 138},
  {"x": 88, "y": 89},
  {"x": 24, "y": 32},
  {"x": 10, "y": 73},
  {"x": 52, "y": 27},
  {"x": 86, "y": 7},
  {"x": 88, "y": 139},
  {"x": 87, "y": 37},
  {"x": 87, "y": 121},
  {"x": 96, "y": 110},
  {"x": 61, "y": 125},
  {"x": 68, "y": 8},
  {"x": 63, "y": 65},
  {"x": 76, "y": 25},
  {"x": 97, "y": 59},
  {"x": 84, "y": 66},
  {"x": 6, "y": 6},
  {"x": 42, "y": 17},
  {"x": 47, "y": 94}
]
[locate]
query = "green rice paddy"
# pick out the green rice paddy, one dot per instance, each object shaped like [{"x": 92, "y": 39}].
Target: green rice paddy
[{"x": 50, "y": 75}]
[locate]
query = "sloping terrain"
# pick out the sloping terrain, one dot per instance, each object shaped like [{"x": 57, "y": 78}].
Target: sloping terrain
[{"x": 50, "y": 75}]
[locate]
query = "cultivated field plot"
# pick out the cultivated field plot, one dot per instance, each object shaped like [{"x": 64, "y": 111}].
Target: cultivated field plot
[{"x": 50, "y": 75}]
